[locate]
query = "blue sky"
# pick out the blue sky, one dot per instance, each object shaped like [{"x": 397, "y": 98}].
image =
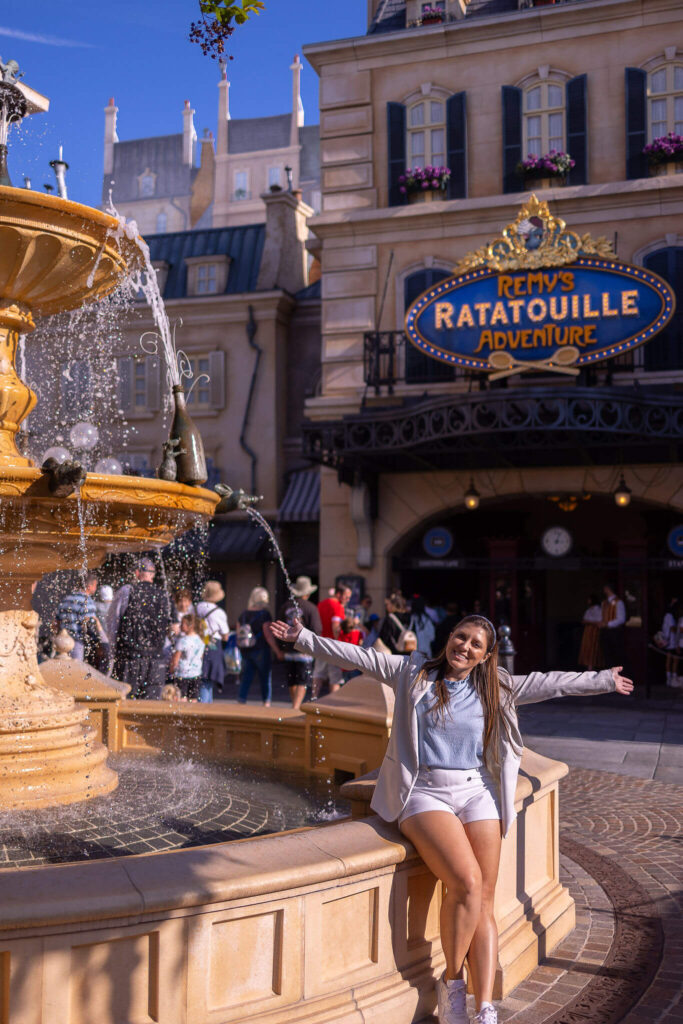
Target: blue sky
[{"x": 79, "y": 53}]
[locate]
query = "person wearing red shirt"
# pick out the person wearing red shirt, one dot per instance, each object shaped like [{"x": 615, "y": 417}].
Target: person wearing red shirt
[{"x": 332, "y": 613}]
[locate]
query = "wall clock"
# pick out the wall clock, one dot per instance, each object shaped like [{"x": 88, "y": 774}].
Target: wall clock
[{"x": 556, "y": 541}]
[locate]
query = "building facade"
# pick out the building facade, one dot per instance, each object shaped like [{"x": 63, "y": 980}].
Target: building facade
[
  {"x": 173, "y": 183},
  {"x": 403, "y": 438}
]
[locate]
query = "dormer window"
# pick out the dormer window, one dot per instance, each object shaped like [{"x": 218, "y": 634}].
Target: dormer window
[
  {"x": 206, "y": 278},
  {"x": 147, "y": 183},
  {"x": 207, "y": 275}
]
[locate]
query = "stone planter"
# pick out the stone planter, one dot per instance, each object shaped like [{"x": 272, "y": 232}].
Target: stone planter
[
  {"x": 674, "y": 166},
  {"x": 427, "y": 196},
  {"x": 552, "y": 181}
]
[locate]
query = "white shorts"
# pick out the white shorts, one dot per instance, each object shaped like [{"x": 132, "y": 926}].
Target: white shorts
[
  {"x": 328, "y": 673},
  {"x": 469, "y": 793}
]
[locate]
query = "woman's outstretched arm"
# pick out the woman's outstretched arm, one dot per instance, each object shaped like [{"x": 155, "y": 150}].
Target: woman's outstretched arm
[
  {"x": 538, "y": 686},
  {"x": 384, "y": 667}
]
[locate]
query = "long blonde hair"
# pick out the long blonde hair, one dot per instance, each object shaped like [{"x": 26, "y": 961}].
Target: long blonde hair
[{"x": 486, "y": 682}]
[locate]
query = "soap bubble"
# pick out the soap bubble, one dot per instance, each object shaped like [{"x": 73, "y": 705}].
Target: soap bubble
[
  {"x": 84, "y": 435},
  {"x": 57, "y": 453},
  {"x": 109, "y": 465}
]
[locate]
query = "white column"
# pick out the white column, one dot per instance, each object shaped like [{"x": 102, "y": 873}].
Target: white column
[
  {"x": 110, "y": 136},
  {"x": 189, "y": 134}
]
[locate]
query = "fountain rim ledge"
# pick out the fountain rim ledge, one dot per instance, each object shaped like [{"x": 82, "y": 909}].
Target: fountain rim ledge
[
  {"x": 105, "y": 487},
  {"x": 70, "y": 207}
]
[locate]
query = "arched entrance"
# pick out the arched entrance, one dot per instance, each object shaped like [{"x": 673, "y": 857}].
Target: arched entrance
[{"x": 502, "y": 559}]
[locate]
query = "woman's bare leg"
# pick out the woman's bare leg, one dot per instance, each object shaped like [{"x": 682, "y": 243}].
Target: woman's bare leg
[
  {"x": 482, "y": 958},
  {"x": 440, "y": 839}
]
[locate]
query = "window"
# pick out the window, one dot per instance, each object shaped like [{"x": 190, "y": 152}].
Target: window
[
  {"x": 434, "y": 5},
  {"x": 427, "y": 134},
  {"x": 241, "y": 185},
  {"x": 206, "y": 279},
  {"x": 544, "y": 118},
  {"x": 665, "y": 101},
  {"x": 201, "y": 392},
  {"x": 147, "y": 184},
  {"x": 274, "y": 175},
  {"x": 161, "y": 223}
]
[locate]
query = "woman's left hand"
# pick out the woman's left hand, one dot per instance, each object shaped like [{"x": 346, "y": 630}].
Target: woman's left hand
[{"x": 621, "y": 683}]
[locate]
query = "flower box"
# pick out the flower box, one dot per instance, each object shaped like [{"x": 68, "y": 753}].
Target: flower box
[
  {"x": 673, "y": 166},
  {"x": 422, "y": 184},
  {"x": 665, "y": 154},
  {"x": 548, "y": 171},
  {"x": 428, "y": 196},
  {"x": 532, "y": 181},
  {"x": 432, "y": 19}
]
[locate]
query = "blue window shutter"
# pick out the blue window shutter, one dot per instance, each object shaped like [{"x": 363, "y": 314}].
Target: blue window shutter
[
  {"x": 125, "y": 374},
  {"x": 636, "y": 123},
  {"x": 396, "y": 149},
  {"x": 456, "y": 144},
  {"x": 217, "y": 375},
  {"x": 153, "y": 382},
  {"x": 577, "y": 141},
  {"x": 512, "y": 138},
  {"x": 665, "y": 350}
]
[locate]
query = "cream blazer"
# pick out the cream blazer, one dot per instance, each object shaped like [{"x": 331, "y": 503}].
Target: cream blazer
[{"x": 400, "y": 765}]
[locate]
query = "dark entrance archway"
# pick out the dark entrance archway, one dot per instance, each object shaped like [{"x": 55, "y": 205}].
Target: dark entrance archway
[{"x": 497, "y": 559}]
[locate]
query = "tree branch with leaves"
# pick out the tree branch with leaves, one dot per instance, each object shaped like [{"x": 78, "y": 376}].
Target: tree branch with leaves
[{"x": 217, "y": 22}]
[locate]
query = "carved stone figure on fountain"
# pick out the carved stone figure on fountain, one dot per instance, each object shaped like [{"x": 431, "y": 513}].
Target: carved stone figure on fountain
[
  {"x": 233, "y": 501},
  {"x": 63, "y": 478},
  {"x": 171, "y": 450}
]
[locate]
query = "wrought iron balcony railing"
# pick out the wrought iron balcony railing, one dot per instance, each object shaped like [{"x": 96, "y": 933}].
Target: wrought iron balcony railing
[{"x": 389, "y": 359}]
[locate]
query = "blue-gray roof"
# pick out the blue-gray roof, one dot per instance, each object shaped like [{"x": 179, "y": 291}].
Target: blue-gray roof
[
  {"x": 248, "y": 134},
  {"x": 163, "y": 155},
  {"x": 311, "y": 291},
  {"x": 244, "y": 246}
]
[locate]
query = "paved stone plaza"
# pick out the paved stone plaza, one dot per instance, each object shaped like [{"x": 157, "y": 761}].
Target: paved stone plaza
[{"x": 621, "y": 840}]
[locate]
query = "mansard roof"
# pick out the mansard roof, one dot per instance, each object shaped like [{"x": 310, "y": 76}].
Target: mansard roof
[
  {"x": 390, "y": 16},
  {"x": 162, "y": 155},
  {"x": 243, "y": 245}
]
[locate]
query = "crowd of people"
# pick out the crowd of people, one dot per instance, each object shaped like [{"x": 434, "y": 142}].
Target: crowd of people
[{"x": 167, "y": 647}]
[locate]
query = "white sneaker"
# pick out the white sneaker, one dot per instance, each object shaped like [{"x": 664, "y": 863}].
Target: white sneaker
[
  {"x": 487, "y": 1015},
  {"x": 452, "y": 1000}
]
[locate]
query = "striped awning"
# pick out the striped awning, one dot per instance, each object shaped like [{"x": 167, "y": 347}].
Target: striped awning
[
  {"x": 237, "y": 542},
  {"x": 301, "y": 503}
]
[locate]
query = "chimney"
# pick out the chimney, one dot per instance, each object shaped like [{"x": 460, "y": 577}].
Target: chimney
[
  {"x": 297, "y": 106},
  {"x": 189, "y": 134},
  {"x": 110, "y": 136},
  {"x": 284, "y": 263},
  {"x": 223, "y": 111}
]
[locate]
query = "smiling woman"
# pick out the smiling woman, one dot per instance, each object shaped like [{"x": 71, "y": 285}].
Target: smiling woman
[{"x": 449, "y": 775}]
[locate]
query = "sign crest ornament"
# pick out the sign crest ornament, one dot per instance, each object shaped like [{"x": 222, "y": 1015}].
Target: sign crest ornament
[
  {"x": 535, "y": 239},
  {"x": 539, "y": 297}
]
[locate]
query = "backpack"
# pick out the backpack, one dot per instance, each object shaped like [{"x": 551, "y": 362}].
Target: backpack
[
  {"x": 245, "y": 636},
  {"x": 400, "y": 640},
  {"x": 143, "y": 625}
]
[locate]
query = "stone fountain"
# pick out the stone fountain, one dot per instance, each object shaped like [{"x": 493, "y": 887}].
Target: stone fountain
[{"x": 56, "y": 255}]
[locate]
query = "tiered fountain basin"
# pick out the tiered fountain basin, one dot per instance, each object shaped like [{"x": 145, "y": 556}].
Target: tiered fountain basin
[
  {"x": 56, "y": 255},
  {"x": 334, "y": 924}
]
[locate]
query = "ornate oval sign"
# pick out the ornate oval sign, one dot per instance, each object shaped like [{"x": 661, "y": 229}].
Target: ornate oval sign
[{"x": 554, "y": 318}]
